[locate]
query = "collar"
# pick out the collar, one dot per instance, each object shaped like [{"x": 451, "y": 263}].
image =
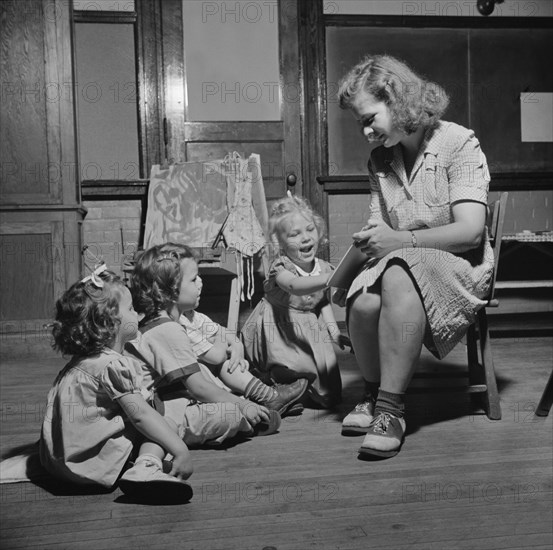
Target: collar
[{"x": 315, "y": 271}]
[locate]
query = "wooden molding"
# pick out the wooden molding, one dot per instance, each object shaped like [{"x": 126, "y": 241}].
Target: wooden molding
[{"x": 506, "y": 181}]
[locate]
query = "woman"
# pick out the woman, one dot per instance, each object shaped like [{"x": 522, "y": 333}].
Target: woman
[{"x": 429, "y": 258}]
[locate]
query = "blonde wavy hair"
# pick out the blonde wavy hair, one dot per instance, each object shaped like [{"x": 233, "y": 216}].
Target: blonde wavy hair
[{"x": 292, "y": 204}]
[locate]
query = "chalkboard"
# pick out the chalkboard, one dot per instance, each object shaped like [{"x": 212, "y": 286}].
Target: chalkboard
[{"x": 483, "y": 70}]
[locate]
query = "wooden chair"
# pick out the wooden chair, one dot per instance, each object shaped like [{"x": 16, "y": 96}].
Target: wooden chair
[{"x": 482, "y": 375}]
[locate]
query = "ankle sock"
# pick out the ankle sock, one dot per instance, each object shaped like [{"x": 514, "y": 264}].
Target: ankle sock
[
  {"x": 259, "y": 392},
  {"x": 371, "y": 390},
  {"x": 393, "y": 403}
]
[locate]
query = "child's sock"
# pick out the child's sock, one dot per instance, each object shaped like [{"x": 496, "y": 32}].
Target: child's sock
[
  {"x": 393, "y": 403},
  {"x": 257, "y": 391}
]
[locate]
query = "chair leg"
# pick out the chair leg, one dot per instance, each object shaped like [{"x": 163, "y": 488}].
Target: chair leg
[
  {"x": 472, "y": 355},
  {"x": 546, "y": 400},
  {"x": 474, "y": 367},
  {"x": 492, "y": 395}
]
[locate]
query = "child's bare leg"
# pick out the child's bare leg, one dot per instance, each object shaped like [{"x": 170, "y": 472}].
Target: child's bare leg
[
  {"x": 146, "y": 481},
  {"x": 151, "y": 448}
]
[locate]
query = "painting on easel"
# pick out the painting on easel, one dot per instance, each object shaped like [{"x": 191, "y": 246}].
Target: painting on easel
[{"x": 187, "y": 203}]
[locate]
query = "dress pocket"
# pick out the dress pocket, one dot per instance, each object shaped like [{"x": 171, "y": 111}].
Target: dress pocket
[{"x": 436, "y": 185}]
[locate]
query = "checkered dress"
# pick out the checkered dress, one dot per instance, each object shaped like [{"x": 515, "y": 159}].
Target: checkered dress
[{"x": 450, "y": 167}]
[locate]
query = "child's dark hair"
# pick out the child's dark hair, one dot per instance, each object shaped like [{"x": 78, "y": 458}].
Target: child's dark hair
[
  {"x": 87, "y": 315},
  {"x": 292, "y": 204},
  {"x": 157, "y": 276}
]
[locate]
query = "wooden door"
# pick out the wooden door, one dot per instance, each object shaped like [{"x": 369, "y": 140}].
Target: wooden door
[
  {"x": 278, "y": 142},
  {"x": 40, "y": 204}
]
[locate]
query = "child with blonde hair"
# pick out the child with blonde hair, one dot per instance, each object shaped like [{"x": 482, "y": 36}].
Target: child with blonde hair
[
  {"x": 290, "y": 333},
  {"x": 98, "y": 414}
]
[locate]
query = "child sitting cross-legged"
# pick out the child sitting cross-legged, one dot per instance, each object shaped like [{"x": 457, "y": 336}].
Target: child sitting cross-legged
[
  {"x": 98, "y": 415},
  {"x": 165, "y": 286},
  {"x": 222, "y": 352}
]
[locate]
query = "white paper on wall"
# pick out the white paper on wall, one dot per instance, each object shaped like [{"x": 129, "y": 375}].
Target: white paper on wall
[{"x": 536, "y": 116}]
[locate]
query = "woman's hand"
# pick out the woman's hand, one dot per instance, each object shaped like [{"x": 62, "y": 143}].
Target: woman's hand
[{"x": 377, "y": 239}]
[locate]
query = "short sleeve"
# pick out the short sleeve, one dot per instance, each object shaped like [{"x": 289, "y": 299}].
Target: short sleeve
[
  {"x": 200, "y": 332},
  {"x": 171, "y": 353},
  {"x": 468, "y": 172},
  {"x": 376, "y": 204},
  {"x": 121, "y": 377},
  {"x": 283, "y": 263}
]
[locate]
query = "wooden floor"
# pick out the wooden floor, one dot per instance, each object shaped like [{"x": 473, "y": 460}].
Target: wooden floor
[{"x": 461, "y": 481}]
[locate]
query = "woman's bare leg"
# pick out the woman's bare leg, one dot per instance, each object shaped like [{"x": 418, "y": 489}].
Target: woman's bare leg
[
  {"x": 400, "y": 330},
  {"x": 363, "y": 324}
]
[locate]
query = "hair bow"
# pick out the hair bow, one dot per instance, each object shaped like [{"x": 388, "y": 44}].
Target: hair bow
[{"x": 94, "y": 276}]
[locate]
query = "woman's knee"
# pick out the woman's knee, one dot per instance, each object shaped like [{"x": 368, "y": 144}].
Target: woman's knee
[
  {"x": 396, "y": 279},
  {"x": 365, "y": 305}
]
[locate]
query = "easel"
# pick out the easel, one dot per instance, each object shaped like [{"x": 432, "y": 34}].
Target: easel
[{"x": 206, "y": 185}]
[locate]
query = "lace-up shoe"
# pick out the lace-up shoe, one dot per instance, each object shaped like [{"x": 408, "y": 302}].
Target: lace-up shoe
[
  {"x": 358, "y": 421},
  {"x": 384, "y": 436}
]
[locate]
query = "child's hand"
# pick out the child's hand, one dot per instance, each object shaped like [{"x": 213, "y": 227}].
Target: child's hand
[
  {"x": 343, "y": 341},
  {"x": 339, "y": 297},
  {"x": 235, "y": 353},
  {"x": 241, "y": 364},
  {"x": 253, "y": 412},
  {"x": 182, "y": 467}
]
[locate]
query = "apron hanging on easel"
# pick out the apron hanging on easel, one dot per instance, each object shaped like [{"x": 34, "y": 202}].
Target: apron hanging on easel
[{"x": 242, "y": 230}]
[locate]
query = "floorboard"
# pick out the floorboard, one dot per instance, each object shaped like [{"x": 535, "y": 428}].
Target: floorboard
[{"x": 460, "y": 482}]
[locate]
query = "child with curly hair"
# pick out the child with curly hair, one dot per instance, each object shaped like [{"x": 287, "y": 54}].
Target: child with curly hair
[
  {"x": 165, "y": 284},
  {"x": 98, "y": 414}
]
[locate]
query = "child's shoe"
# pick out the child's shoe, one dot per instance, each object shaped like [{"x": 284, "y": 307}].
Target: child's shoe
[
  {"x": 384, "y": 436},
  {"x": 325, "y": 401},
  {"x": 286, "y": 396},
  {"x": 358, "y": 421},
  {"x": 280, "y": 374},
  {"x": 146, "y": 482}
]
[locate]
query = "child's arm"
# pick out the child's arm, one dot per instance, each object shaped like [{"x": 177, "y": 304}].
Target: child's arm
[
  {"x": 300, "y": 286},
  {"x": 332, "y": 326},
  {"x": 341, "y": 340},
  {"x": 217, "y": 354},
  {"x": 153, "y": 426},
  {"x": 235, "y": 351},
  {"x": 225, "y": 346}
]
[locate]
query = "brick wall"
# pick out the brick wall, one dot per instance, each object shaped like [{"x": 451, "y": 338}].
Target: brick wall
[{"x": 111, "y": 229}]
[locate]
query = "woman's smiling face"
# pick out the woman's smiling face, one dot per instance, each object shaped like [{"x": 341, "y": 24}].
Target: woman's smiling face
[
  {"x": 375, "y": 119},
  {"x": 299, "y": 239}
]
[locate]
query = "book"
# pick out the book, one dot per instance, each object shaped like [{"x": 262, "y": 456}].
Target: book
[{"x": 348, "y": 268}]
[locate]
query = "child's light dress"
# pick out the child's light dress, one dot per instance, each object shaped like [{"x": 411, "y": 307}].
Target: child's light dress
[
  {"x": 86, "y": 438},
  {"x": 289, "y": 331}
]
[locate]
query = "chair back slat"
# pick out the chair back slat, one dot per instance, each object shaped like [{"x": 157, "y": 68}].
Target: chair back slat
[{"x": 495, "y": 223}]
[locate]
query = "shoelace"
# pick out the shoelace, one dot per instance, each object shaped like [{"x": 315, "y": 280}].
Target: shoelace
[
  {"x": 381, "y": 422},
  {"x": 363, "y": 407}
]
